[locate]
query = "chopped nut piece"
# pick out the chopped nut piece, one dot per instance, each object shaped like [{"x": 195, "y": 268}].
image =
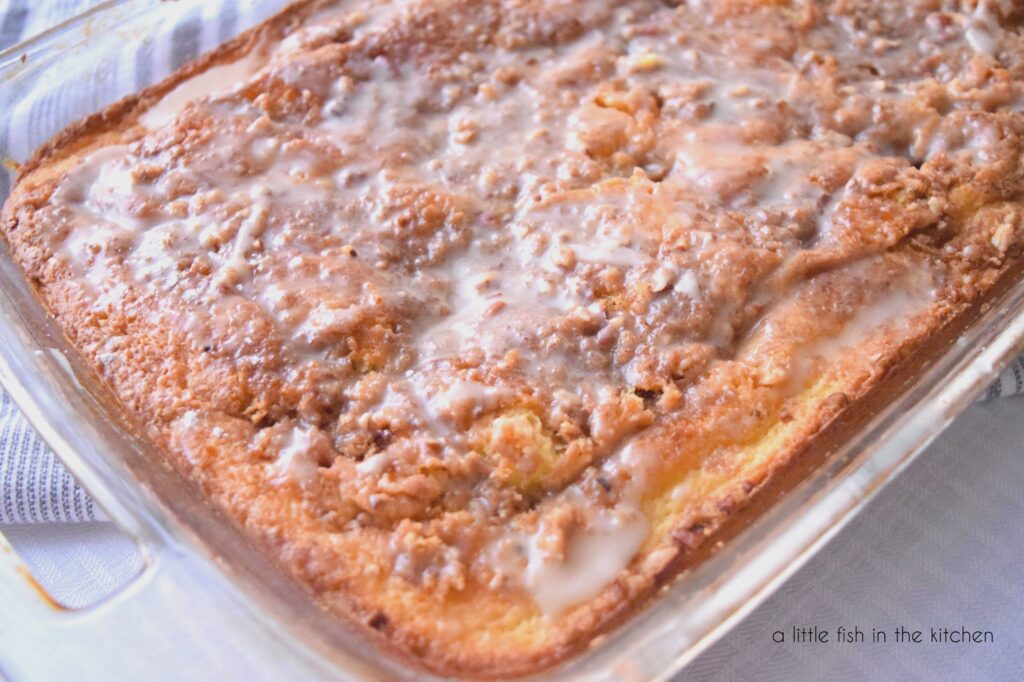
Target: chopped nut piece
[
  {"x": 646, "y": 63},
  {"x": 1003, "y": 237}
]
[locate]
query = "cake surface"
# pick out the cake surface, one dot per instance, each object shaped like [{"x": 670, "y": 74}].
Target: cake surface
[{"x": 480, "y": 316}]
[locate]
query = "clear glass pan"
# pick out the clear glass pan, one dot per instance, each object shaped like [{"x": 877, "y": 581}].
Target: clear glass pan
[{"x": 208, "y": 605}]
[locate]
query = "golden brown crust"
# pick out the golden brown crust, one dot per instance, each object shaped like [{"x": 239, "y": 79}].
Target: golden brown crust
[{"x": 859, "y": 215}]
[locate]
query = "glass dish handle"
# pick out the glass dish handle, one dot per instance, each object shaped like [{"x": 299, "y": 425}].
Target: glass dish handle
[
  {"x": 173, "y": 610},
  {"x": 39, "y": 639}
]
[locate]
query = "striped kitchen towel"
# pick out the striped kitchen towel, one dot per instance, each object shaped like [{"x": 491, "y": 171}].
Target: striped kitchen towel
[
  {"x": 34, "y": 486},
  {"x": 1010, "y": 382}
]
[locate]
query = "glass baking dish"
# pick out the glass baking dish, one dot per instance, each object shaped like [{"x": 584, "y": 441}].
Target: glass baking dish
[{"x": 208, "y": 604}]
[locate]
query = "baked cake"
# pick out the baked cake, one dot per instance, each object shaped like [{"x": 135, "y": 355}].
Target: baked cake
[{"x": 481, "y": 316}]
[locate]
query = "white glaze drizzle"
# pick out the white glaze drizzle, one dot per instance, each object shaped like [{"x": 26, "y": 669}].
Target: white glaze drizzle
[{"x": 216, "y": 80}]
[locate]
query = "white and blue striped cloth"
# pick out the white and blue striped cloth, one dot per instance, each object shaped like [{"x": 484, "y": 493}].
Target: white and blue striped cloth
[{"x": 34, "y": 486}]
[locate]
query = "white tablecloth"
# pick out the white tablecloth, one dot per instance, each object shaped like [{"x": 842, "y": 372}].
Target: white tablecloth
[{"x": 943, "y": 547}]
